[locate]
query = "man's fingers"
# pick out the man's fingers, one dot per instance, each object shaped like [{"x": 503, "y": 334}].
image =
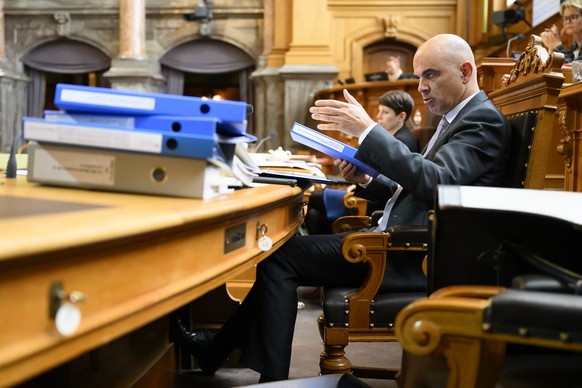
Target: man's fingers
[
  {"x": 349, "y": 98},
  {"x": 328, "y": 127},
  {"x": 329, "y": 103}
]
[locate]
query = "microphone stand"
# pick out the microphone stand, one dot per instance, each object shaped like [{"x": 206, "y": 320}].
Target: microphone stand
[
  {"x": 260, "y": 143},
  {"x": 516, "y": 37}
]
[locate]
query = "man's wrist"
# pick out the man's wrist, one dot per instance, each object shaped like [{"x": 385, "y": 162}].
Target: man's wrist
[
  {"x": 365, "y": 133},
  {"x": 367, "y": 183}
]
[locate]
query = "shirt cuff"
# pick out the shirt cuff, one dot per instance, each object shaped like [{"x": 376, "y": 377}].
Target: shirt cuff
[
  {"x": 366, "y": 184},
  {"x": 365, "y": 133}
]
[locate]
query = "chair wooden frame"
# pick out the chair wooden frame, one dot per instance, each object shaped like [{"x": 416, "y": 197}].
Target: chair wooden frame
[
  {"x": 449, "y": 323},
  {"x": 353, "y": 202},
  {"x": 372, "y": 249}
]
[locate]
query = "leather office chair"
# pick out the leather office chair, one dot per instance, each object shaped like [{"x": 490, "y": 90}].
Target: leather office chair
[
  {"x": 367, "y": 314},
  {"x": 460, "y": 336}
]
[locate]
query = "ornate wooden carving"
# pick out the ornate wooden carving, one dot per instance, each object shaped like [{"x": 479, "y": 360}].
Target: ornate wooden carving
[
  {"x": 565, "y": 147},
  {"x": 534, "y": 59},
  {"x": 390, "y": 24}
]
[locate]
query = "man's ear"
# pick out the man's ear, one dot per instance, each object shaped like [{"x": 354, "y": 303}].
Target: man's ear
[{"x": 466, "y": 71}]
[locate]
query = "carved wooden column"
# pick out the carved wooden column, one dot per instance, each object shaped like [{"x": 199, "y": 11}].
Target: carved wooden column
[
  {"x": 309, "y": 64},
  {"x": 132, "y": 69},
  {"x": 570, "y": 146}
]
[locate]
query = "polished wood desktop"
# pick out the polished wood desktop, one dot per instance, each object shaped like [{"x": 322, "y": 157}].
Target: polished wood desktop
[{"x": 134, "y": 259}]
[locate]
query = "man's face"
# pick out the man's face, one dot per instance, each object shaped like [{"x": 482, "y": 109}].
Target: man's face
[
  {"x": 387, "y": 118},
  {"x": 391, "y": 66},
  {"x": 440, "y": 82}
]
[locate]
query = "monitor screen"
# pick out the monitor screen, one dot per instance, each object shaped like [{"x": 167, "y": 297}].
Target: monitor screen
[
  {"x": 542, "y": 10},
  {"x": 380, "y": 76}
]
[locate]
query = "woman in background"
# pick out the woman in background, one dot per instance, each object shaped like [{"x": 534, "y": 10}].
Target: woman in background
[
  {"x": 325, "y": 206},
  {"x": 571, "y": 12}
]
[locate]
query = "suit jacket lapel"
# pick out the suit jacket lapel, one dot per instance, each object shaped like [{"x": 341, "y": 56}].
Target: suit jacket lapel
[{"x": 479, "y": 98}]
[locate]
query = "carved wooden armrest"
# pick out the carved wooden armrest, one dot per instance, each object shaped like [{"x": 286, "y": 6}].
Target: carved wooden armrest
[
  {"x": 369, "y": 248},
  {"x": 353, "y": 202},
  {"x": 373, "y": 249},
  {"x": 349, "y": 223},
  {"x": 471, "y": 331},
  {"x": 477, "y": 292}
]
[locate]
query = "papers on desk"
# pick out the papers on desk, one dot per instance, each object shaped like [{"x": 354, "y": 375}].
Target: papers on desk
[
  {"x": 301, "y": 178},
  {"x": 556, "y": 204},
  {"x": 258, "y": 169}
]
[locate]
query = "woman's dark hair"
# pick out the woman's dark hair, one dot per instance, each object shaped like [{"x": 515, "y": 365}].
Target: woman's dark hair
[{"x": 399, "y": 101}]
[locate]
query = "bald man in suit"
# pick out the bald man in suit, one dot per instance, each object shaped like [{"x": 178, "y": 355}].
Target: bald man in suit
[{"x": 471, "y": 149}]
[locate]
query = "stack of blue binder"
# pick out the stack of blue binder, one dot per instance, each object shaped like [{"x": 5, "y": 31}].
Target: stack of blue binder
[{"x": 132, "y": 141}]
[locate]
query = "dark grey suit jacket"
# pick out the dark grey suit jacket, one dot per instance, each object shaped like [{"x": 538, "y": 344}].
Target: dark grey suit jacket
[
  {"x": 405, "y": 135},
  {"x": 472, "y": 151}
]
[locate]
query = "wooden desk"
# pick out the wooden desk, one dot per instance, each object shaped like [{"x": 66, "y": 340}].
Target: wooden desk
[{"x": 136, "y": 258}]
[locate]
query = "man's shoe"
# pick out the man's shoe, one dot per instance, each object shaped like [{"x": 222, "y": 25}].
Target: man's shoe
[{"x": 199, "y": 344}]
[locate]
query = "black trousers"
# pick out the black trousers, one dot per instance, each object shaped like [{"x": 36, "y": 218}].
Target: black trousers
[{"x": 262, "y": 327}]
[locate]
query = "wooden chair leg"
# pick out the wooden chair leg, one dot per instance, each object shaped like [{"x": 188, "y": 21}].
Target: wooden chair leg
[
  {"x": 321, "y": 325},
  {"x": 333, "y": 358}
]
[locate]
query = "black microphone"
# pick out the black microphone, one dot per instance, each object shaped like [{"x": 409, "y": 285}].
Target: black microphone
[
  {"x": 516, "y": 37},
  {"x": 271, "y": 135},
  {"x": 11, "y": 166},
  {"x": 250, "y": 109}
]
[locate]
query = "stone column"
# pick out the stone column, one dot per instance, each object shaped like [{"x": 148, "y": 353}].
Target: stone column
[
  {"x": 10, "y": 95},
  {"x": 301, "y": 83},
  {"x": 269, "y": 86},
  {"x": 269, "y": 103},
  {"x": 132, "y": 70}
]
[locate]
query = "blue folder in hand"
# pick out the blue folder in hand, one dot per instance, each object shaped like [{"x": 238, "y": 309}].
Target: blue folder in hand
[{"x": 329, "y": 146}]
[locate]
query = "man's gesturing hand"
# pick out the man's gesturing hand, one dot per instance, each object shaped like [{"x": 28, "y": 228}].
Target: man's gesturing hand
[{"x": 348, "y": 117}]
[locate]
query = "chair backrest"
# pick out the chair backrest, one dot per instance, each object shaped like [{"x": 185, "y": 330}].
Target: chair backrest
[
  {"x": 531, "y": 89},
  {"x": 522, "y": 131}
]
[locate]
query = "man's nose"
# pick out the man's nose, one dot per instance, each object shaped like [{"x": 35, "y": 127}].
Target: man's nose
[{"x": 422, "y": 85}]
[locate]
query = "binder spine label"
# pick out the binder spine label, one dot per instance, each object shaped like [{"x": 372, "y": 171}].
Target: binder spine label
[
  {"x": 74, "y": 167},
  {"x": 320, "y": 138},
  {"x": 68, "y": 133},
  {"x": 108, "y": 99}
]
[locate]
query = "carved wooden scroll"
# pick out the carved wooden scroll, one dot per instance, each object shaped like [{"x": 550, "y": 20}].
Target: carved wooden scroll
[{"x": 534, "y": 59}]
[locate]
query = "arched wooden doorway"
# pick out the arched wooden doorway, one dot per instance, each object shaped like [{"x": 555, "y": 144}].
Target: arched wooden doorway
[
  {"x": 377, "y": 53},
  {"x": 209, "y": 68},
  {"x": 61, "y": 61}
]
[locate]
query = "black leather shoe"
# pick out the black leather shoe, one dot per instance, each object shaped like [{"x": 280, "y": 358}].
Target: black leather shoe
[{"x": 199, "y": 344}]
